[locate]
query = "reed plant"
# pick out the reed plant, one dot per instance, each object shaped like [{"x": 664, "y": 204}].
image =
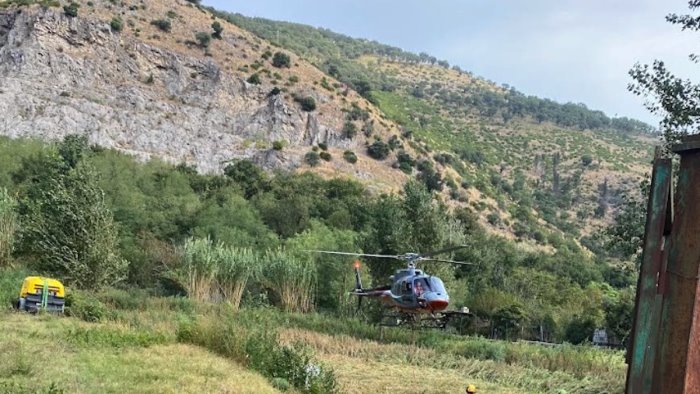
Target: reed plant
[
  {"x": 8, "y": 226},
  {"x": 292, "y": 278}
]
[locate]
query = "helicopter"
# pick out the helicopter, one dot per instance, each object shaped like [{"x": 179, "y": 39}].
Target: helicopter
[{"x": 414, "y": 296}]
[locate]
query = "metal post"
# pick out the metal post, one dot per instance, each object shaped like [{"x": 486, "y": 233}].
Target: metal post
[
  {"x": 645, "y": 327},
  {"x": 678, "y": 355}
]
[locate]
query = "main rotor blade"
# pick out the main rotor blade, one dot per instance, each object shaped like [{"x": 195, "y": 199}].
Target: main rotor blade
[
  {"x": 443, "y": 250},
  {"x": 354, "y": 254},
  {"x": 449, "y": 261}
]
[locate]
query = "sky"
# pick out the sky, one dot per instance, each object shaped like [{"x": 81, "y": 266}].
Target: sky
[{"x": 565, "y": 50}]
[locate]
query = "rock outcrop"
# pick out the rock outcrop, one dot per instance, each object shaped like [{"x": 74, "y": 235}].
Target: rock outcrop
[{"x": 62, "y": 75}]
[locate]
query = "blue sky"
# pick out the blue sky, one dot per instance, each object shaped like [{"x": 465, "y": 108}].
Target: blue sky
[{"x": 566, "y": 50}]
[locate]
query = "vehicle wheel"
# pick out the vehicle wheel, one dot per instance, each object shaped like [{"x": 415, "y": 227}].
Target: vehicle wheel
[{"x": 16, "y": 304}]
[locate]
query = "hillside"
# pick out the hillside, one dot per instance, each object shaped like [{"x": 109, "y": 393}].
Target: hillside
[
  {"x": 150, "y": 89},
  {"x": 135, "y": 78}
]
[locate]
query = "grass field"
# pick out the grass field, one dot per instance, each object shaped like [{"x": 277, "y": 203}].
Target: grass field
[
  {"x": 54, "y": 354},
  {"x": 149, "y": 344}
]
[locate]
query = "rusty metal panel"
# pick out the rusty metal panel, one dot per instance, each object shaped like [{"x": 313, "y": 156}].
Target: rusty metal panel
[
  {"x": 678, "y": 354},
  {"x": 646, "y": 314}
]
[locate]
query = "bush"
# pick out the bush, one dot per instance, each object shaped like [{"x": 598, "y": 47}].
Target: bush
[
  {"x": 278, "y": 145},
  {"x": 349, "y": 130},
  {"x": 8, "y": 226},
  {"x": 218, "y": 29},
  {"x": 586, "y": 160},
  {"x": 254, "y": 79},
  {"x": 325, "y": 156},
  {"x": 71, "y": 10},
  {"x": 203, "y": 39},
  {"x": 323, "y": 145},
  {"x": 350, "y": 156},
  {"x": 117, "y": 24},
  {"x": 162, "y": 24},
  {"x": 308, "y": 103},
  {"x": 493, "y": 218},
  {"x": 85, "y": 306},
  {"x": 379, "y": 150},
  {"x": 274, "y": 92},
  {"x": 312, "y": 159},
  {"x": 10, "y": 283},
  {"x": 281, "y": 59},
  {"x": 255, "y": 344}
]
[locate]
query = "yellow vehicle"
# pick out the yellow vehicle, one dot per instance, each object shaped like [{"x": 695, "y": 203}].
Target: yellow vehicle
[{"x": 41, "y": 293}]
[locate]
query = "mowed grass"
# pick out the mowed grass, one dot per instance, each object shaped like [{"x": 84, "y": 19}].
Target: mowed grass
[
  {"x": 44, "y": 352},
  {"x": 368, "y": 366}
]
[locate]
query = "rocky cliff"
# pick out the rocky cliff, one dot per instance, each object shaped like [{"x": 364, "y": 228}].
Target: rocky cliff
[{"x": 154, "y": 93}]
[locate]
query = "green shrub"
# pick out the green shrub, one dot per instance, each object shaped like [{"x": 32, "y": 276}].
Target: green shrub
[
  {"x": 117, "y": 24},
  {"x": 252, "y": 342},
  {"x": 254, "y": 79},
  {"x": 8, "y": 226},
  {"x": 312, "y": 159},
  {"x": 325, "y": 156},
  {"x": 203, "y": 39},
  {"x": 308, "y": 103},
  {"x": 71, "y": 10},
  {"x": 10, "y": 283},
  {"x": 281, "y": 59},
  {"x": 323, "y": 145},
  {"x": 218, "y": 29},
  {"x": 278, "y": 145},
  {"x": 349, "y": 130},
  {"x": 85, "y": 306},
  {"x": 163, "y": 24},
  {"x": 350, "y": 156},
  {"x": 379, "y": 150}
]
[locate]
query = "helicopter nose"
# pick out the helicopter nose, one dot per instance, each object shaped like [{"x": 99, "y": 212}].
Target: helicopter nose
[
  {"x": 436, "y": 302},
  {"x": 438, "y": 305}
]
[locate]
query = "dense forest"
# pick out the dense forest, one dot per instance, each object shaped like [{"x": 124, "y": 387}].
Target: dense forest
[{"x": 96, "y": 217}]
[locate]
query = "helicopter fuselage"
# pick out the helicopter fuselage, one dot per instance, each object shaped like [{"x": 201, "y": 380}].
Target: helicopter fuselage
[{"x": 412, "y": 291}]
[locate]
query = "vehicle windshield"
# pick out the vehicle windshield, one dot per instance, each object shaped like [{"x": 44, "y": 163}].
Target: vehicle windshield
[
  {"x": 436, "y": 285},
  {"x": 420, "y": 286}
]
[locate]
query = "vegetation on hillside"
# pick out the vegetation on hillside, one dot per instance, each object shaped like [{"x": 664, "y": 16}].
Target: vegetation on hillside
[{"x": 158, "y": 209}]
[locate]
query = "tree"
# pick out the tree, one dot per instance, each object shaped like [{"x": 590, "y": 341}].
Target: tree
[
  {"x": 250, "y": 177},
  {"x": 281, "y": 59},
  {"x": 68, "y": 230},
  {"x": 218, "y": 29},
  {"x": 676, "y": 100},
  {"x": 203, "y": 39}
]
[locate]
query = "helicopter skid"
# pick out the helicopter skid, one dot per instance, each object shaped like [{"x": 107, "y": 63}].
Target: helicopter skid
[{"x": 436, "y": 320}]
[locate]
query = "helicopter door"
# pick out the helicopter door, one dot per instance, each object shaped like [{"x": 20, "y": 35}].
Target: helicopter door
[{"x": 406, "y": 292}]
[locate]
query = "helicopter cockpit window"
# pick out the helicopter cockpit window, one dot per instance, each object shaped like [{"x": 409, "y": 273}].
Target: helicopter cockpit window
[
  {"x": 437, "y": 286},
  {"x": 420, "y": 286}
]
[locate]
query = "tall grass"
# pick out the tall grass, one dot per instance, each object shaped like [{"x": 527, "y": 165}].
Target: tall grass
[
  {"x": 250, "y": 339},
  {"x": 294, "y": 279},
  {"x": 235, "y": 268},
  {"x": 199, "y": 268},
  {"x": 215, "y": 272},
  {"x": 8, "y": 226}
]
